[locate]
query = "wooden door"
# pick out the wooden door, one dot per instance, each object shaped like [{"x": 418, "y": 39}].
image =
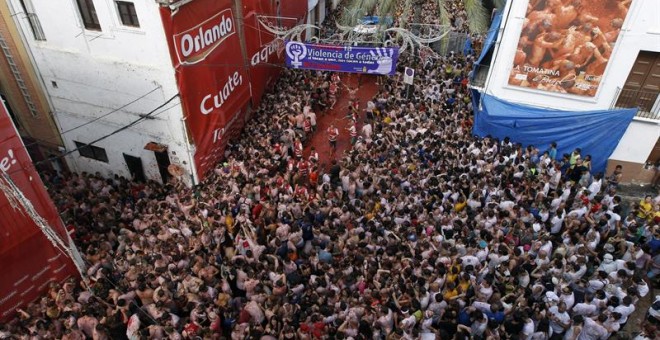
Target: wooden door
[{"x": 643, "y": 84}]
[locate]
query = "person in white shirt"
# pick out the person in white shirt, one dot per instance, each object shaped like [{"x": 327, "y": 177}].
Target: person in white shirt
[
  {"x": 594, "y": 330},
  {"x": 612, "y": 323},
  {"x": 608, "y": 265},
  {"x": 586, "y": 308},
  {"x": 367, "y": 131},
  {"x": 625, "y": 309},
  {"x": 484, "y": 291},
  {"x": 574, "y": 331},
  {"x": 579, "y": 211},
  {"x": 386, "y": 321},
  {"x": 595, "y": 186},
  {"x": 479, "y": 323},
  {"x": 567, "y": 297},
  {"x": 438, "y": 304},
  {"x": 640, "y": 284},
  {"x": 528, "y": 327},
  {"x": 560, "y": 320},
  {"x": 557, "y": 222}
]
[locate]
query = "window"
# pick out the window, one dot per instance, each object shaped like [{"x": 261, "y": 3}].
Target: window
[
  {"x": 127, "y": 14},
  {"x": 88, "y": 14},
  {"x": 35, "y": 24},
  {"x": 91, "y": 151}
]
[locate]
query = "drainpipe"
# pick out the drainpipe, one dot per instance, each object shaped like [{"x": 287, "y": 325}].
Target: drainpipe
[{"x": 191, "y": 162}]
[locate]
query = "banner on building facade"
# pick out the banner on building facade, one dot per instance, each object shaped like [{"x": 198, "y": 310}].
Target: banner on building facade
[
  {"x": 371, "y": 60},
  {"x": 29, "y": 261},
  {"x": 565, "y": 48},
  {"x": 213, "y": 81},
  {"x": 265, "y": 51}
]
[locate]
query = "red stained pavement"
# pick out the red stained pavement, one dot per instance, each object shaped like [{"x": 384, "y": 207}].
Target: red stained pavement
[{"x": 367, "y": 89}]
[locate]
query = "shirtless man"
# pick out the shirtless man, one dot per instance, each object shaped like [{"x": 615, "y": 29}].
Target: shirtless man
[
  {"x": 564, "y": 14},
  {"x": 542, "y": 43},
  {"x": 566, "y": 70},
  {"x": 612, "y": 35},
  {"x": 622, "y": 6},
  {"x": 539, "y": 21},
  {"x": 584, "y": 53},
  {"x": 572, "y": 38}
]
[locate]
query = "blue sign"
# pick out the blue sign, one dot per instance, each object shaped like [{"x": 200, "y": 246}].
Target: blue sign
[
  {"x": 372, "y": 60},
  {"x": 374, "y": 20}
]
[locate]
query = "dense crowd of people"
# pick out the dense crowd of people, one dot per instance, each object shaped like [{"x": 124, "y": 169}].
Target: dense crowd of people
[{"x": 419, "y": 230}]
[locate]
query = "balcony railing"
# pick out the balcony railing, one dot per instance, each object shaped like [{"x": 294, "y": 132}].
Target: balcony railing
[{"x": 647, "y": 101}]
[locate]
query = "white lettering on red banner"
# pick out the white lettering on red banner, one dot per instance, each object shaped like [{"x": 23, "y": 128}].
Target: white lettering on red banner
[
  {"x": 21, "y": 280},
  {"x": 27, "y": 290},
  {"x": 276, "y": 45},
  {"x": 59, "y": 269},
  {"x": 54, "y": 258},
  {"x": 8, "y": 296},
  {"x": 13, "y": 308},
  {"x": 195, "y": 43},
  {"x": 218, "y": 133},
  {"x": 7, "y": 161},
  {"x": 215, "y": 100},
  {"x": 37, "y": 275},
  {"x": 43, "y": 285}
]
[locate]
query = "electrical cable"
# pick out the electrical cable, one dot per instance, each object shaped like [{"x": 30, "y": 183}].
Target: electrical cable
[
  {"x": 104, "y": 115},
  {"x": 153, "y": 113},
  {"x": 135, "y": 122}
]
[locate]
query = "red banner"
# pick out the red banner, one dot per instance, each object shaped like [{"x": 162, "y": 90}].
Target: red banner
[
  {"x": 266, "y": 53},
  {"x": 264, "y": 50},
  {"x": 213, "y": 81},
  {"x": 28, "y": 260}
]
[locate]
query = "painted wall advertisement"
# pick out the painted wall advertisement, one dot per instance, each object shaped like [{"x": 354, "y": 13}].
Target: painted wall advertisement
[
  {"x": 28, "y": 260},
  {"x": 372, "y": 60},
  {"x": 565, "y": 46}
]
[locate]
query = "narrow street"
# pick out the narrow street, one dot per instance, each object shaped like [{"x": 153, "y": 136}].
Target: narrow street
[{"x": 337, "y": 116}]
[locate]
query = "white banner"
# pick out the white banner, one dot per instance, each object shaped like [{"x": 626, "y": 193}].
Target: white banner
[{"x": 408, "y": 76}]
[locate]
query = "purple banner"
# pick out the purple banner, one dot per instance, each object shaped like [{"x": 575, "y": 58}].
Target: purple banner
[{"x": 372, "y": 60}]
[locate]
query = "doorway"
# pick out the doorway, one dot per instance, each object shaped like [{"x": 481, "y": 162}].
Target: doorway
[
  {"x": 163, "y": 160},
  {"x": 643, "y": 84},
  {"x": 135, "y": 167}
]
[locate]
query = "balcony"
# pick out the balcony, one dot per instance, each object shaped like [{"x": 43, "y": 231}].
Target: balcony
[
  {"x": 646, "y": 101},
  {"x": 480, "y": 76}
]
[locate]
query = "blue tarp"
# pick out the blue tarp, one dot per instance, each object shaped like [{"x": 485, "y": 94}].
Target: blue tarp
[
  {"x": 374, "y": 20},
  {"x": 597, "y": 133},
  {"x": 467, "y": 48},
  {"x": 491, "y": 38}
]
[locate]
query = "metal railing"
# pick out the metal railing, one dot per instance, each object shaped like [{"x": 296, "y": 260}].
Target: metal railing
[
  {"x": 648, "y": 102},
  {"x": 453, "y": 42}
]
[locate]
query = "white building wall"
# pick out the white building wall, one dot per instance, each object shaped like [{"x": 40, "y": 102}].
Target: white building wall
[
  {"x": 638, "y": 141},
  {"x": 89, "y": 74},
  {"x": 641, "y": 31},
  {"x": 321, "y": 11}
]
